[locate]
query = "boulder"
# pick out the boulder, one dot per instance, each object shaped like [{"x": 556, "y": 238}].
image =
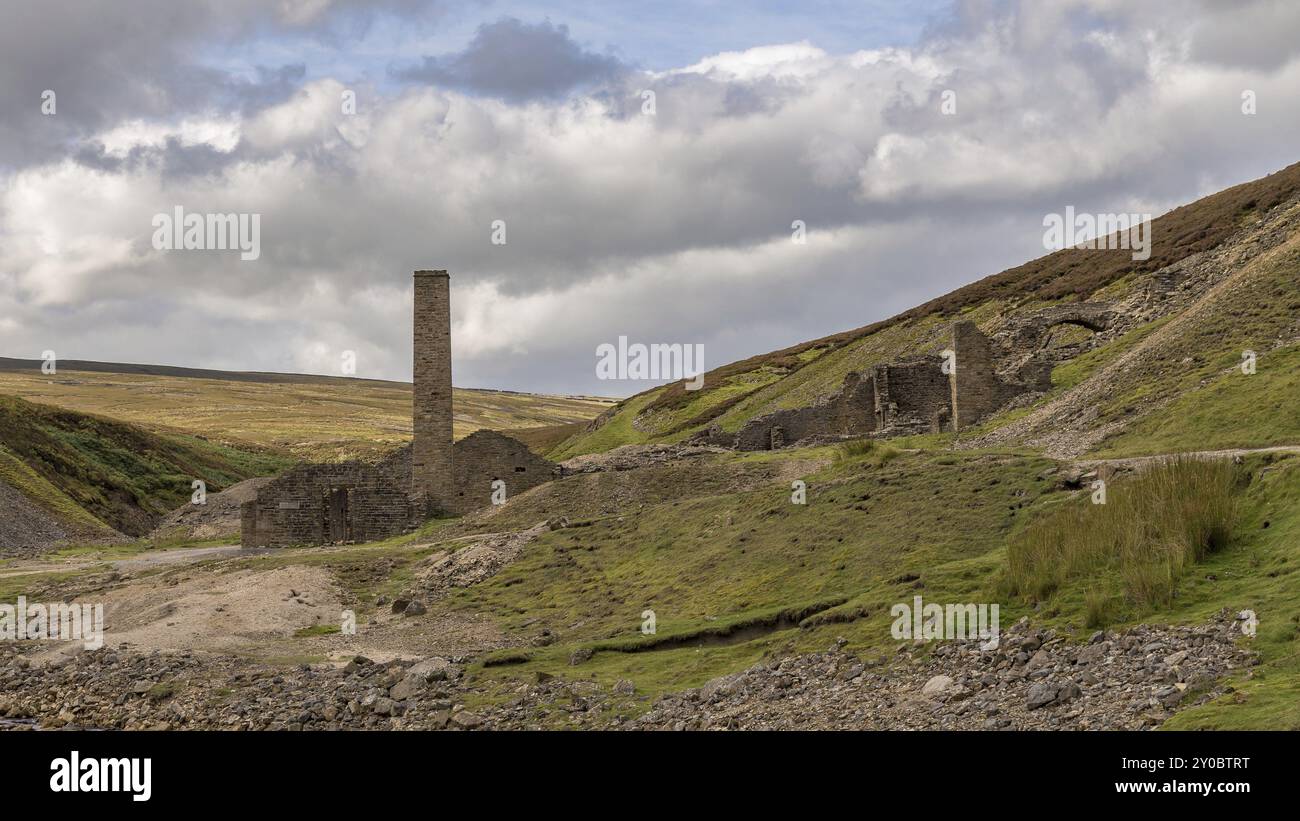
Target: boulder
[
  {"x": 434, "y": 668},
  {"x": 936, "y": 685},
  {"x": 1040, "y": 695}
]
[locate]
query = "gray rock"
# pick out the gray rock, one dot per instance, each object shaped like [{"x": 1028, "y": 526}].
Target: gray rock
[
  {"x": 407, "y": 687},
  {"x": 1040, "y": 695},
  {"x": 1040, "y": 659},
  {"x": 1068, "y": 691},
  {"x": 466, "y": 720},
  {"x": 936, "y": 685},
  {"x": 434, "y": 668},
  {"x": 1168, "y": 696}
]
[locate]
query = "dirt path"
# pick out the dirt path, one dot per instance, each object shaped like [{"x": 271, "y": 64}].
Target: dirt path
[
  {"x": 142, "y": 561},
  {"x": 1130, "y": 462}
]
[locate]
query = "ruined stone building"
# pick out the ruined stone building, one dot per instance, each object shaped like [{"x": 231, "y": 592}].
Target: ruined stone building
[
  {"x": 359, "y": 501},
  {"x": 920, "y": 395}
]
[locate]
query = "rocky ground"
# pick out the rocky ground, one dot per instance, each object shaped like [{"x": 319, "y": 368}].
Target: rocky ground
[
  {"x": 1035, "y": 679},
  {"x": 27, "y": 531},
  {"x": 1203, "y": 284},
  {"x": 632, "y": 457},
  {"x": 471, "y": 564},
  {"x": 217, "y": 518}
]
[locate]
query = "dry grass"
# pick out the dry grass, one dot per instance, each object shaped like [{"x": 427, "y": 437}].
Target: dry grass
[{"x": 312, "y": 418}]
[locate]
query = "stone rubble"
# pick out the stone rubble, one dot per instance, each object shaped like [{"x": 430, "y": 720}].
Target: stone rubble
[{"x": 1035, "y": 679}]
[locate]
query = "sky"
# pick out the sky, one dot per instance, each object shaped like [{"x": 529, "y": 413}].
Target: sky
[{"x": 919, "y": 144}]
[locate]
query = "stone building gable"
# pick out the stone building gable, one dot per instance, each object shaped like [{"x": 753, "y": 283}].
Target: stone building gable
[
  {"x": 359, "y": 502},
  {"x": 330, "y": 504},
  {"x": 486, "y": 456}
]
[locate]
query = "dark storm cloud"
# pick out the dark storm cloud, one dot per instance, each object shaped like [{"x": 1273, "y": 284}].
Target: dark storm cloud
[
  {"x": 517, "y": 61},
  {"x": 107, "y": 62},
  {"x": 671, "y": 227}
]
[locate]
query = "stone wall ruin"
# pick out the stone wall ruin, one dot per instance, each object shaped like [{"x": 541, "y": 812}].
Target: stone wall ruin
[
  {"x": 918, "y": 395},
  {"x": 347, "y": 502}
]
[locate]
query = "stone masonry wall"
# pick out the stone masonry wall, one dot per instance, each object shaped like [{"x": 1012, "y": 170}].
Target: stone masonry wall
[
  {"x": 849, "y": 411},
  {"x": 295, "y": 509},
  {"x": 330, "y": 503},
  {"x": 905, "y": 397},
  {"x": 976, "y": 390},
  {"x": 485, "y": 456},
  {"x": 431, "y": 469},
  {"x": 912, "y": 396}
]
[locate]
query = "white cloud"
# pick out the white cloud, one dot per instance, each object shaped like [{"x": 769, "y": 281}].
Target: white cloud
[{"x": 674, "y": 227}]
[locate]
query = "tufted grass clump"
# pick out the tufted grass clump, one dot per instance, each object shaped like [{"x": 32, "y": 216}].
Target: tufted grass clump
[
  {"x": 865, "y": 449},
  {"x": 1151, "y": 529}
]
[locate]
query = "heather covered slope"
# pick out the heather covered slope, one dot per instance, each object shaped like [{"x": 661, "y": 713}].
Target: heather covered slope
[
  {"x": 1177, "y": 383},
  {"x": 1244, "y": 235}
]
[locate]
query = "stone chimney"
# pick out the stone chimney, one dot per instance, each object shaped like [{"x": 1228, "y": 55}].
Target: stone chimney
[{"x": 431, "y": 417}]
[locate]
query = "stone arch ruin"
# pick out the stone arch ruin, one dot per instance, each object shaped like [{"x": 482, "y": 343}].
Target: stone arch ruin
[{"x": 918, "y": 395}]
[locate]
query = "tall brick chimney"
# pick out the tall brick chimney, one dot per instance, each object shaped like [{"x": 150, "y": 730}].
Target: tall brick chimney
[{"x": 431, "y": 417}]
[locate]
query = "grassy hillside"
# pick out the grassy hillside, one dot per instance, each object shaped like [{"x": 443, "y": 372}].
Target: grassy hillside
[
  {"x": 709, "y": 562},
  {"x": 307, "y": 418},
  {"x": 796, "y": 376},
  {"x": 738, "y": 576},
  {"x": 34, "y": 487},
  {"x": 117, "y": 473}
]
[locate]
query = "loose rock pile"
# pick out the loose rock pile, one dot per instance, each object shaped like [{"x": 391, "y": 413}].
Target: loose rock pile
[
  {"x": 1035, "y": 679},
  {"x": 473, "y": 563},
  {"x": 632, "y": 457},
  {"x": 109, "y": 689}
]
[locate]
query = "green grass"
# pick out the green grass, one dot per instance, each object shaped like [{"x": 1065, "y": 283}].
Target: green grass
[
  {"x": 1151, "y": 529},
  {"x": 618, "y": 430},
  {"x": 117, "y": 473},
  {"x": 932, "y": 523},
  {"x": 44, "y": 494},
  {"x": 708, "y": 564},
  {"x": 1233, "y": 411},
  {"x": 1077, "y": 370},
  {"x": 316, "y": 630},
  {"x": 863, "y": 449}
]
